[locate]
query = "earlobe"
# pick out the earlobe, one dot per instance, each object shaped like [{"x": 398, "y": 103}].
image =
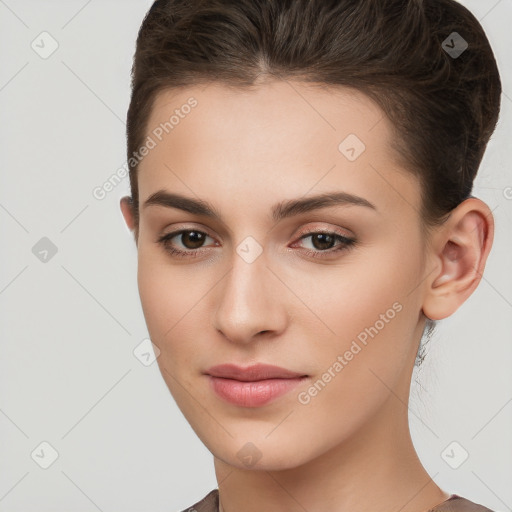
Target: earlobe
[{"x": 462, "y": 247}]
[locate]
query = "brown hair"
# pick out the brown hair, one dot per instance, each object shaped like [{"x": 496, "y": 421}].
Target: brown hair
[
  {"x": 443, "y": 99},
  {"x": 443, "y": 107}
]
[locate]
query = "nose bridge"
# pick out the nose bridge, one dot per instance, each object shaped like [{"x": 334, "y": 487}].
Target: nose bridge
[{"x": 246, "y": 304}]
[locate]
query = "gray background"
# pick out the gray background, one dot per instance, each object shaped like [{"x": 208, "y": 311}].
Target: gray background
[{"x": 68, "y": 373}]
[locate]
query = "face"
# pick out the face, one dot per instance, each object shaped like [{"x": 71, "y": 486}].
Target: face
[{"x": 329, "y": 291}]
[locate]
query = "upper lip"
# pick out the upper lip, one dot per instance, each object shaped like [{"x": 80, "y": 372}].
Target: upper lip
[{"x": 252, "y": 373}]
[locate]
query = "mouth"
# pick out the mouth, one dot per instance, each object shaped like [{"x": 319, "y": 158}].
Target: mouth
[
  {"x": 252, "y": 373},
  {"x": 252, "y": 386}
]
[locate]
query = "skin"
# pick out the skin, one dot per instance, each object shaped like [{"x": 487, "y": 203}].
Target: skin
[{"x": 244, "y": 151}]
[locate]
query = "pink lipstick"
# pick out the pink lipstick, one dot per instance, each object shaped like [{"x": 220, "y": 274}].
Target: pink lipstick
[{"x": 253, "y": 386}]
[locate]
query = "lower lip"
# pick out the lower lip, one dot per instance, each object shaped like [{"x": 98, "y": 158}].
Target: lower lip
[{"x": 253, "y": 393}]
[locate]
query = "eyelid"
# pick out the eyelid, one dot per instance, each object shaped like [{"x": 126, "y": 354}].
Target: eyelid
[
  {"x": 179, "y": 229},
  {"x": 325, "y": 229}
]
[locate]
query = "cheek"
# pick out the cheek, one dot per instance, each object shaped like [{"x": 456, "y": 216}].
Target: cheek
[
  {"x": 164, "y": 294},
  {"x": 372, "y": 318},
  {"x": 173, "y": 299},
  {"x": 362, "y": 369},
  {"x": 165, "y": 289},
  {"x": 370, "y": 282},
  {"x": 165, "y": 302}
]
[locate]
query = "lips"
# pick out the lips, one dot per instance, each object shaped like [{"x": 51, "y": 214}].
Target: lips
[
  {"x": 253, "y": 386},
  {"x": 252, "y": 373}
]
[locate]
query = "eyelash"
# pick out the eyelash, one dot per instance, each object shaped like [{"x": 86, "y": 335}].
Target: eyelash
[{"x": 346, "y": 244}]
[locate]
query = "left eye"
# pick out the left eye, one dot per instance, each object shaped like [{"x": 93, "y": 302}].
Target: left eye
[
  {"x": 322, "y": 240},
  {"x": 193, "y": 240}
]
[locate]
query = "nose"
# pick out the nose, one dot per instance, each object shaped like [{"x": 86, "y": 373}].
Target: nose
[{"x": 250, "y": 302}]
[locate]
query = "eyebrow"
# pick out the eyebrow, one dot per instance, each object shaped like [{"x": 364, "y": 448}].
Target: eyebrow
[{"x": 281, "y": 210}]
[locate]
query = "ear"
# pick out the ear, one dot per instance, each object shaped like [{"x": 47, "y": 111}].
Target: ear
[
  {"x": 127, "y": 210},
  {"x": 459, "y": 251}
]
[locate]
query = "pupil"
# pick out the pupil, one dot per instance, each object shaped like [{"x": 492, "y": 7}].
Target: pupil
[
  {"x": 327, "y": 241},
  {"x": 195, "y": 235}
]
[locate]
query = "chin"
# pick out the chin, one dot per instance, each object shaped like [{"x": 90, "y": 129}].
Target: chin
[{"x": 260, "y": 453}]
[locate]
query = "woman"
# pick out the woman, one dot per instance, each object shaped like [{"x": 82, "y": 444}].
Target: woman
[{"x": 301, "y": 177}]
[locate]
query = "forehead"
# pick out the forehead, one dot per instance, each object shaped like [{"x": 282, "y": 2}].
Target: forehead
[
  {"x": 262, "y": 112},
  {"x": 279, "y": 136}
]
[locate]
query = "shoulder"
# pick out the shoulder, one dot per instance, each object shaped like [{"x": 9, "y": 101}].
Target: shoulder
[
  {"x": 210, "y": 503},
  {"x": 458, "y": 503}
]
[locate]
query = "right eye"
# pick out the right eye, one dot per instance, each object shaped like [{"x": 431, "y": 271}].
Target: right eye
[{"x": 191, "y": 239}]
